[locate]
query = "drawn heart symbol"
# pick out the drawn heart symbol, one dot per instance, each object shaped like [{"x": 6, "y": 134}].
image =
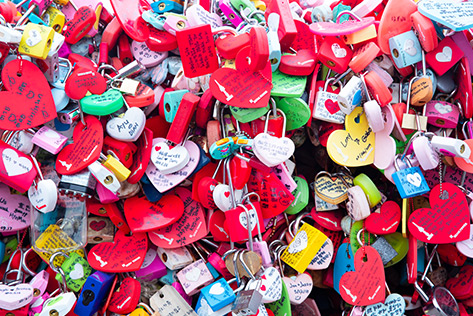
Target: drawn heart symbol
[
  {"x": 410, "y": 48},
  {"x": 445, "y": 55},
  {"x": 34, "y": 38},
  {"x": 271, "y": 285},
  {"x": 253, "y": 216},
  {"x": 271, "y": 150},
  {"x": 355, "y": 145},
  {"x": 299, "y": 243},
  {"x": 129, "y": 127},
  {"x": 332, "y": 106},
  {"x": 15, "y": 296},
  {"x": 443, "y": 108},
  {"x": 385, "y": 219},
  {"x": 447, "y": 221},
  {"x": 414, "y": 179},
  {"x": 15, "y": 211},
  {"x": 82, "y": 81},
  {"x": 43, "y": 196},
  {"x": 124, "y": 254},
  {"x": 193, "y": 275},
  {"x": 143, "y": 215},
  {"x": 77, "y": 272},
  {"x": 87, "y": 146},
  {"x": 222, "y": 198},
  {"x": 97, "y": 226},
  {"x": 188, "y": 229},
  {"x": 125, "y": 299},
  {"x": 169, "y": 160},
  {"x": 216, "y": 289},
  {"x": 394, "y": 305},
  {"x": 338, "y": 51},
  {"x": 298, "y": 288},
  {"x": 15, "y": 165},
  {"x": 242, "y": 88},
  {"x": 28, "y": 101},
  {"x": 457, "y": 285},
  {"x": 364, "y": 286}
]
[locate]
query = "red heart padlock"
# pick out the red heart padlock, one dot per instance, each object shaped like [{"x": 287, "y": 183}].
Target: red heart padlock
[
  {"x": 125, "y": 299},
  {"x": 259, "y": 52},
  {"x": 94, "y": 207},
  {"x": 75, "y": 29},
  {"x": 129, "y": 16},
  {"x": 86, "y": 149},
  {"x": 205, "y": 191},
  {"x": 229, "y": 45},
  {"x": 142, "y": 156},
  {"x": 450, "y": 255},
  {"x": 143, "y": 215},
  {"x": 464, "y": 91},
  {"x": 240, "y": 171},
  {"x": 125, "y": 254},
  {"x": 364, "y": 286},
  {"x": 82, "y": 81},
  {"x": 28, "y": 101},
  {"x": 207, "y": 171},
  {"x": 331, "y": 220},
  {"x": 460, "y": 285},
  {"x": 300, "y": 64},
  {"x": 386, "y": 220},
  {"x": 447, "y": 221},
  {"x": 161, "y": 41}
]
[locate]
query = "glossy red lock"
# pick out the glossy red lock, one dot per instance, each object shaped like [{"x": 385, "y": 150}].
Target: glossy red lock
[
  {"x": 335, "y": 54},
  {"x": 236, "y": 221}
]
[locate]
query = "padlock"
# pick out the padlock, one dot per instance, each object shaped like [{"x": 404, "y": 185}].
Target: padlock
[
  {"x": 194, "y": 277},
  {"x": 322, "y": 13},
  {"x": 104, "y": 176},
  {"x": 360, "y": 36},
  {"x": 358, "y": 206},
  {"x": 252, "y": 260},
  {"x": 50, "y": 66},
  {"x": 75, "y": 269},
  {"x": 450, "y": 147},
  {"x": 218, "y": 295},
  {"x": 410, "y": 182},
  {"x": 36, "y": 41},
  {"x": 167, "y": 300},
  {"x": 240, "y": 227},
  {"x": 422, "y": 88},
  {"x": 444, "y": 56},
  {"x": 171, "y": 100},
  {"x": 54, "y": 18},
  {"x": 260, "y": 246},
  {"x": 39, "y": 283},
  {"x": 274, "y": 46},
  {"x": 413, "y": 121},
  {"x": 442, "y": 114},
  {"x": 95, "y": 289},
  {"x": 100, "y": 229},
  {"x": 370, "y": 189},
  {"x": 112, "y": 163},
  {"x": 427, "y": 157},
  {"x": 372, "y": 108},
  {"x": 117, "y": 217},
  {"x": 20, "y": 140},
  {"x": 377, "y": 88},
  {"x": 175, "y": 259},
  {"x": 49, "y": 140},
  {"x": 326, "y": 106},
  {"x": 124, "y": 151},
  {"x": 405, "y": 49},
  {"x": 18, "y": 171},
  {"x": 335, "y": 54},
  {"x": 350, "y": 95},
  {"x": 426, "y": 29},
  {"x": 43, "y": 195},
  {"x": 59, "y": 305},
  {"x": 385, "y": 250}
]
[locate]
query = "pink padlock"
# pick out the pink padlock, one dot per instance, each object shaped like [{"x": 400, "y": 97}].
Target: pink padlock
[
  {"x": 229, "y": 12},
  {"x": 37, "y": 306},
  {"x": 194, "y": 277},
  {"x": 146, "y": 56},
  {"x": 105, "y": 195},
  {"x": 152, "y": 268},
  {"x": 39, "y": 283},
  {"x": 175, "y": 23},
  {"x": 49, "y": 140},
  {"x": 442, "y": 114},
  {"x": 181, "y": 291}
]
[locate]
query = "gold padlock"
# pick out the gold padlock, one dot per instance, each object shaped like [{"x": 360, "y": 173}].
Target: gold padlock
[
  {"x": 421, "y": 90},
  {"x": 36, "y": 40},
  {"x": 252, "y": 260},
  {"x": 413, "y": 121}
]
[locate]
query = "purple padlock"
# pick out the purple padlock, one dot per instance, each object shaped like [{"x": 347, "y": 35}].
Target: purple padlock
[{"x": 152, "y": 268}]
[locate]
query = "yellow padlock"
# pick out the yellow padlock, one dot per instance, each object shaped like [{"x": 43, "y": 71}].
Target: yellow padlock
[
  {"x": 54, "y": 18},
  {"x": 36, "y": 40},
  {"x": 114, "y": 165},
  {"x": 229, "y": 63},
  {"x": 259, "y": 5},
  {"x": 361, "y": 35},
  {"x": 139, "y": 312}
]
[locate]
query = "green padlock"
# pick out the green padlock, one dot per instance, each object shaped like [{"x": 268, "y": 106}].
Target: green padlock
[
  {"x": 75, "y": 269},
  {"x": 297, "y": 112},
  {"x": 287, "y": 86},
  {"x": 281, "y": 307},
  {"x": 104, "y": 104},
  {"x": 245, "y": 115},
  {"x": 355, "y": 245},
  {"x": 10, "y": 247},
  {"x": 301, "y": 194}
]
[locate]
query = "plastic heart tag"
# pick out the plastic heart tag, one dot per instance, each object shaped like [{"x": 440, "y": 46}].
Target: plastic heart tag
[
  {"x": 125, "y": 299},
  {"x": 271, "y": 150},
  {"x": 87, "y": 146},
  {"x": 125, "y": 254},
  {"x": 104, "y": 104},
  {"x": 283, "y": 305},
  {"x": 323, "y": 258},
  {"x": 270, "y": 285},
  {"x": 457, "y": 13},
  {"x": 296, "y": 110},
  {"x": 188, "y": 229},
  {"x": 15, "y": 210},
  {"x": 447, "y": 221},
  {"x": 386, "y": 220},
  {"x": 275, "y": 197},
  {"x": 82, "y": 81},
  {"x": 15, "y": 296},
  {"x": 28, "y": 101},
  {"x": 459, "y": 285},
  {"x": 43, "y": 195},
  {"x": 129, "y": 127},
  {"x": 364, "y": 286},
  {"x": 169, "y": 160},
  {"x": 355, "y": 145},
  {"x": 298, "y": 288},
  {"x": 394, "y": 305},
  {"x": 143, "y": 215}
]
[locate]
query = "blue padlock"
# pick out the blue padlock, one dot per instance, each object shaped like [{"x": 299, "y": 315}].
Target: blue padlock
[
  {"x": 95, "y": 290},
  {"x": 171, "y": 101},
  {"x": 149, "y": 190},
  {"x": 405, "y": 49},
  {"x": 410, "y": 182},
  {"x": 162, "y": 6}
]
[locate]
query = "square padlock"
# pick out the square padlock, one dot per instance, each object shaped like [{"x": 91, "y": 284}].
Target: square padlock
[
  {"x": 49, "y": 140},
  {"x": 100, "y": 229},
  {"x": 326, "y": 108},
  {"x": 444, "y": 57},
  {"x": 194, "y": 277},
  {"x": 36, "y": 40},
  {"x": 405, "y": 49}
]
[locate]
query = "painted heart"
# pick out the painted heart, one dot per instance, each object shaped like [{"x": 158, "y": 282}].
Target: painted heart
[
  {"x": 448, "y": 219},
  {"x": 98, "y": 225},
  {"x": 222, "y": 197},
  {"x": 364, "y": 286},
  {"x": 15, "y": 165},
  {"x": 129, "y": 127},
  {"x": 299, "y": 243},
  {"x": 77, "y": 272},
  {"x": 332, "y": 106},
  {"x": 252, "y": 215},
  {"x": 414, "y": 179},
  {"x": 15, "y": 210},
  {"x": 272, "y": 151},
  {"x": 338, "y": 51},
  {"x": 169, "y": 160},
  {"x": 323, "y": 258},
  {"x": 165, "y": 182},
  {"x": 445, "y": 55},
  {"x": 188, "y": 229},
  {"x": 102, "y": 104},
  {"x": 126, "y": 297},
  {"x": 82, "y": 81},
  {"x": 216, "y": 289},
  {"x": 13, "y": 297},
  {"x": 298, "y": 288},
  {"x": 146, "y": 56},
  {"x": 193, "y": 275},
  {"x": 142, "y": 156},
  {"x": 394, "y": 305},
  {"x": 242, "y": 88},
  {"x": 443, "y": 108},
  {"x": 125, "y": 254},
  {"x": 355, "y": 145},
  {"x": 143, "y": 215},
  {"x": 270, "y": 285},
  {"x": 87, "y": 146},
  {"x": 332, "y": 189},
  {"x": 43, "y": 196},
  {"x": 385, "y": 219},
  {"x": 21, "y": 105},
  {"x": 410, "y": 48}
]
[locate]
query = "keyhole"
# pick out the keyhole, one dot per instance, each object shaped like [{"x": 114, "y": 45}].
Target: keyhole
[
  {"x": 127, "y": 156},
  {"x": 462, "y": 149},
  {"x": 57, "y": 27},
  {"x": 53, "y": 312},
  {"x": 164, "y": 257},
  {"x": 48, "y": 43},
  {"x": 180, "y": 25},
  {"x": 231, "y": 16},
  {"x": 331, "y": 63},
  {"x": 102, "y": 210},
  {"x": 97, "y": 238},
  {"x": 108, "y": 180},
  {"x": 274, "y": 61},
  {"x": 162, "y": 6},
  {"x": 395, "y": 53},
  {"x": 168, "y": 107},
  {"x": 36, "y": 292}
]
